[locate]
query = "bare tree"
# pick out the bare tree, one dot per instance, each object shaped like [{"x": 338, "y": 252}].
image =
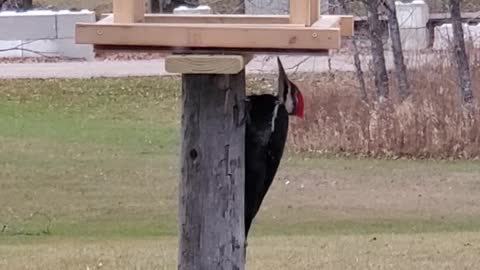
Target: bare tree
[
  {"x": 344, "y": 5},
  {"x": 378, "y": 56},
  {"x": 398, "y": 57},
  {"x": 460, "y": 52},
  {"x": 155, "y": 6},
  {"x": 27, "y": 4},
  {"x": 333, "y": 7},
  {"x": 10, "y": 5}
]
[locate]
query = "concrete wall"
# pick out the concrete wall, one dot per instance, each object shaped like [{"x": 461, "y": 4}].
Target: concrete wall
[
  {"x": 413, "y": 18},
  {"x": 50, "y": 33},
  {"x": 262, "y": 7},
  {"x": 444, "y": 35}
]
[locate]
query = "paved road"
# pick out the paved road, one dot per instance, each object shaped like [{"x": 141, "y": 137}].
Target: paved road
[
  {"x": 261, "y": 64},
  {"x": 150, "y": 67}
]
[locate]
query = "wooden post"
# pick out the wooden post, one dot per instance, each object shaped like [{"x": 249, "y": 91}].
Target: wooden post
[
  {"x": 304, "y": 12},
  {"x": 128, "y": 11},
  {"x": 211, "y": 202},
  {"x": 314, "y": 11}
]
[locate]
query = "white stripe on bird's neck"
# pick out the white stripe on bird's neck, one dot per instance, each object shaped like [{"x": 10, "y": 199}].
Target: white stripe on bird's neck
[
  {"x": 289, "y": 99},
  {"x": 274, "y": 116}
]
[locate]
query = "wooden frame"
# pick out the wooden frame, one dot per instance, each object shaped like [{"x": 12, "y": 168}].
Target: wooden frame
[{"x": 303, "y": 31}]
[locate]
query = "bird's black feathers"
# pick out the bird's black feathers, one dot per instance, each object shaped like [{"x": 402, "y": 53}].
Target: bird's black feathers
[
  {"x": 264, "y": 149},
  {"x": 266, "y": 135}
]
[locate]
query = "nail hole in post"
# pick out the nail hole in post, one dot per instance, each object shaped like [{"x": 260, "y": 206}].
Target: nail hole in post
[{"x": 193, "y": 154}]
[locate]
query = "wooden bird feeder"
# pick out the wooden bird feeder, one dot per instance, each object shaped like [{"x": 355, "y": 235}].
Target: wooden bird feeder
[
  {"x": 211, "y": 52},
  {"x": 301, "y": 32}
]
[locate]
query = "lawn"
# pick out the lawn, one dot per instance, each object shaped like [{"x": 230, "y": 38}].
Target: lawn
[{"x": 88, "y": 180}]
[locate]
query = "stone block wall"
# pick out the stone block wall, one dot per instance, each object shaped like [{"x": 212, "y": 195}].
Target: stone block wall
[{"x": 43, "y": 32}]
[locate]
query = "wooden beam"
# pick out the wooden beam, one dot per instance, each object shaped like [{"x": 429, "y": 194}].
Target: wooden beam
[
  {"x": 212, "y": 185},
  {"x": 205, "y": 64},
  {"x": 299, "y": 11},
  {"x": 304, "y": 11},
  {"x": 344, "y": 23},
  {"x": 209, "y": 35},
  {"x": 314, "y": 11},
  {"x": 347, "y": 26},
  {"x": 205, "y": 50},
  {"x": 227, "y": 19},
  {"x": 214, "y": 18},
  {"x": 128, "y": 11},
  {"x": 225, "y": 26}
]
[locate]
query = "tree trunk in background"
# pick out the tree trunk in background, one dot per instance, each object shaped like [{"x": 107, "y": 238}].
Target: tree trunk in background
[
  {"x": 344, "y": 7},
  {"x": 16, "y": 5},
  {"x": 155, "y": 6},
  {"x": 27, "y": 4},
  {"x": 333, "y": 7},
  {"x": 460, "y": 53},
  {"x": 399, "y": 60},
  {"x": 375, "y": 32}
]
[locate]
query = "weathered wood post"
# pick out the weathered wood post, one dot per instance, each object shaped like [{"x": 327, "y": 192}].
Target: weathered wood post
[{"x": 211, "y": 205}]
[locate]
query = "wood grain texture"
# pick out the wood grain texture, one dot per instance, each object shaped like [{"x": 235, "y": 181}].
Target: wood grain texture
[
  {"x": 209, "y": 35},
  {"x": 215, "y": 18},
  {"x": 304, "y": 12},
  {"x": 314, "y": 11},
  {"x": 347, "y": 25},
  {"x": 211, "y": 190},
  {"x": 299, "y": 11},
  {"x": 128, "y": 11},
  {"x": 205, "y": 64}
]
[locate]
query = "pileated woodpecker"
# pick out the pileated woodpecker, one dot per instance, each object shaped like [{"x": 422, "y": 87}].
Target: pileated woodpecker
[{"x": 267, "y": 128}]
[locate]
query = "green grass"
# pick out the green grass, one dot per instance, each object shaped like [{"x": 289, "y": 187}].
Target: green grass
[
  {"x": 89, "y": 172},
  {"x": 67, "y": 111},
  {"x": 64, "y": 144}
]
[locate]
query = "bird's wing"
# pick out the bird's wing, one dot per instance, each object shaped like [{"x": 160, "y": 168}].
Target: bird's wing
[
  {"x": 276, "y": 148},
  {"x": 264, "y": 150}
]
